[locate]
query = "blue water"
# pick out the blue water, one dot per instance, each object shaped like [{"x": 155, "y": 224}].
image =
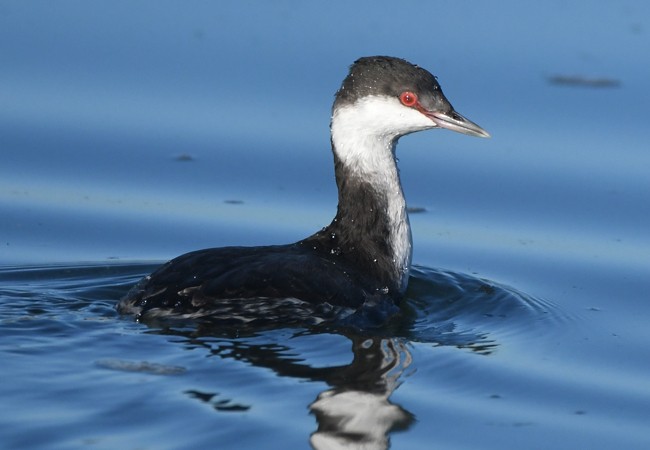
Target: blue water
[{"x": 132, "y": 132}]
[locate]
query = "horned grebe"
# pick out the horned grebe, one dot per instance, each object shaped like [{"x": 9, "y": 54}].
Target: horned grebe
[{"x": 361, "y": 260}]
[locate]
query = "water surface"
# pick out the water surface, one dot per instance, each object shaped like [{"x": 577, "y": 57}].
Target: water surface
[{"x": 131, "y": 134}]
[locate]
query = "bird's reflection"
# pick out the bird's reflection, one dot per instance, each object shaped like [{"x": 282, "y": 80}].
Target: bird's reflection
[
  {"x": 356, "y": 410},
  {"x": 358, "y": 413}
]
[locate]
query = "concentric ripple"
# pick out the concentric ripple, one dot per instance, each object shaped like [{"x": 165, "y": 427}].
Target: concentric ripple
[
  {"x": 441, "y": 307},
  {"x": 449, "y": 308}
]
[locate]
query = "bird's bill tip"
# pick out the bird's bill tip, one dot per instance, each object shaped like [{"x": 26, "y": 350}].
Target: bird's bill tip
[{"x": 455, "y": 122}]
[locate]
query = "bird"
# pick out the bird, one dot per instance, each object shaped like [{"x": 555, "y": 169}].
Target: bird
[{"x": 359, "y": 264}]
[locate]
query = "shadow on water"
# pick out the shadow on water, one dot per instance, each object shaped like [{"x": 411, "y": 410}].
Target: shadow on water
[{"x": 441, "y": 309}]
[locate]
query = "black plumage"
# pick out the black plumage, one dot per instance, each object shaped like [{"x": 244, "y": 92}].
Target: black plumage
[{"x": 349, "y": 266}]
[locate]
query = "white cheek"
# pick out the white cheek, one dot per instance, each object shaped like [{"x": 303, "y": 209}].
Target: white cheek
[
  {"x": 410, "y": 121},
  {"x": 381, "y": 116}
]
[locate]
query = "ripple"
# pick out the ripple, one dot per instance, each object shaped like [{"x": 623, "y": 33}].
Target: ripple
[
  {"x": 449, "y": 308},
  {"x": 441, "y": 307},
  {"x": 61, "y": 291},
  {"x": 63, "y": 318}
]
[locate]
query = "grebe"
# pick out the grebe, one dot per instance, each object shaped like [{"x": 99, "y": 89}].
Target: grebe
[{"x": 360, "y": 261}]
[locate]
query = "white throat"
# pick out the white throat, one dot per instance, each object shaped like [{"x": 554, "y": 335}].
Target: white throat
[{"x": 364, "y": 135}]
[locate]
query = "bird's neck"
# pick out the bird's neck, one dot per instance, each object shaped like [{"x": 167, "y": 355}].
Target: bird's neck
[{"x": 371, "y": 226}]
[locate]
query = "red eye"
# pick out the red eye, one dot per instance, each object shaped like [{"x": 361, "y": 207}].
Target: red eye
[{"x": 408, "y": 98}]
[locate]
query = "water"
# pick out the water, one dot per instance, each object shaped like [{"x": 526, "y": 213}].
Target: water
[{"x": 130, "y": 135}]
